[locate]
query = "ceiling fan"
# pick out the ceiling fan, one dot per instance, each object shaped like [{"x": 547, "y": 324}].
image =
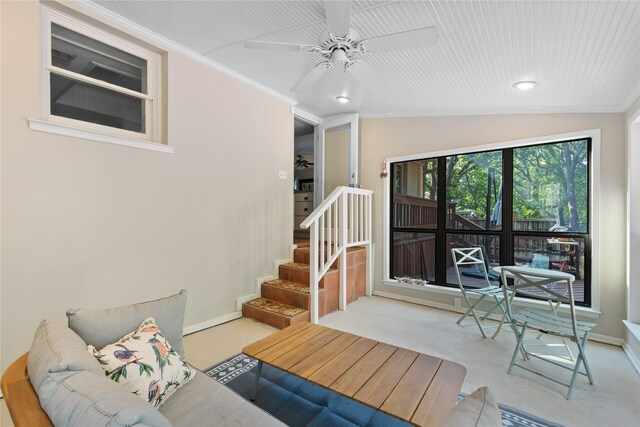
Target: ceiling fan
[
  {"x": 342, "y": 46},
  {"x": 301, "y": 163}
]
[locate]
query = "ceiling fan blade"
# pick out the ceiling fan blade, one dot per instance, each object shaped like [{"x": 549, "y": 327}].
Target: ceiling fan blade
[
  {"x": 310, "y": 78},
  {"x": 338, "y": 17},
  {"x": 422, "y": 37},
  {"x": 365, "y": 74},
  {"x": 287, "y": 47}
]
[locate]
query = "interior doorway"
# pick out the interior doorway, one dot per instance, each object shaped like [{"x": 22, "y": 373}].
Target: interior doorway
[
  {"x": 337, "y": 154},
  {"x": 336, "y": 158},
  {"x": 304, "y": 173}
]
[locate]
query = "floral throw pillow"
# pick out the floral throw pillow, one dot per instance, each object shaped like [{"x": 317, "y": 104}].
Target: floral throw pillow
[{"x": 145, "y": 363}]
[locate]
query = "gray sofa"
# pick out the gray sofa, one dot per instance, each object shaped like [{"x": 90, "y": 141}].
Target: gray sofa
[
  {"x": 73, "y": 390},
  {"x": 66, "y": 386}
]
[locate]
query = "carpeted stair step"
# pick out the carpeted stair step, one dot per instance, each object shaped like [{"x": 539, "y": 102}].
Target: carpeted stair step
[
  {"x": 274, "y": 313},
  {"x": 299, "y": 273},
  {"x": 291, "y": 293}
]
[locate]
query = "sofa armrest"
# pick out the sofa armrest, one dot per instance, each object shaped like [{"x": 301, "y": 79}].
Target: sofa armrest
[{"x": 21, "y": 398}]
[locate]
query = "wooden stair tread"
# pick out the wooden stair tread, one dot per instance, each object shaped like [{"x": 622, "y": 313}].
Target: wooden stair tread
[
  {"x": 349, "y": 249},
  {"x": 288, "y": 284},
  {"x": 301, "y": 266},
  {"x": 276, "y": 307}
]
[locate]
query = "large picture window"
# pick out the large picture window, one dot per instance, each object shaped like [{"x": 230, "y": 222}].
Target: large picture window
[{"x": 525, "y": 205}]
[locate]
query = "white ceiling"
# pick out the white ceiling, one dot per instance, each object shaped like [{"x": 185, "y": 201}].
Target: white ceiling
[{"x": 584, "y": 54}]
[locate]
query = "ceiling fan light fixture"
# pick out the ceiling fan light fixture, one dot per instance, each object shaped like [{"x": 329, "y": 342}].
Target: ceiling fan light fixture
[
  {"x": 342, "y": 99},
  {"x": 525, "y": 85}
]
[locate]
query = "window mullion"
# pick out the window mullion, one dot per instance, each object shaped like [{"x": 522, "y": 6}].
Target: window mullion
[
  {"x": 506, "y": 234},
  {"x": 96, "y": 82},
  {"x": 441, "y": 236}
]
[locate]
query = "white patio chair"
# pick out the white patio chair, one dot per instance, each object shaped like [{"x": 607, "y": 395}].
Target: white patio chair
[
  {"x": 556, "y": 287},
  {"x": 474, "y": 257}
]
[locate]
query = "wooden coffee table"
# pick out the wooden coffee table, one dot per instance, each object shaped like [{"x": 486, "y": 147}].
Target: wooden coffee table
[{"x": 412, "y": 386}]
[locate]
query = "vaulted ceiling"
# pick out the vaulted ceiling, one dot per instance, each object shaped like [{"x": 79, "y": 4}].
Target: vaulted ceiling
[{"x": 585, "y": 55}]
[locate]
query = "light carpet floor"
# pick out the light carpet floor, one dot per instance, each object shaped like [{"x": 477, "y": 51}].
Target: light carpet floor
[{"x": 614, "y": 400}]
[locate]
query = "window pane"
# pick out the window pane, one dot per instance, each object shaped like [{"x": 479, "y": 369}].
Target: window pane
[
  {"x": 555, "y": 253},
  {"x": 472, "y": 276},
  {"x": 474, "y": 191},
  {"x": 550, "y": 187},
  {"x": 414, "y": 256},
  {"x": 415, "y": 193},
  {"x": 81, "y": 101},
  {"x": 83, "y": 55}
]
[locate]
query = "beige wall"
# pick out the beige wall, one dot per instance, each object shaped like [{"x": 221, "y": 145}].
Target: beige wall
[
  {"x": 390, "y": 137},
  {"x": 336, "y": 159},
  {"x": 89, "y": 224}
]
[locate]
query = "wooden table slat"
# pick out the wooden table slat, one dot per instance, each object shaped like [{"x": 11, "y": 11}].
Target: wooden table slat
[
  {"x": 357, "y": 375},
  {"x": 415, "y": 387},
  {"x": 271, "y": 340},
  {"x": 435, "y": 405},
  {"x": 290, "y": 343},
  {"x": 287, "y": 360},
  {"x": 332, "y": 370},
  {"x": 382, "y": 383},
  {"x": 321, "y": 357},
  {"x": 404, "y": 399}
]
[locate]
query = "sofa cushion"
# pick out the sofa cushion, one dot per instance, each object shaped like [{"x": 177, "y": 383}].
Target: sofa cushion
[
  {"x": 57, "y": 348},
  {"x": 100, "y": 327},
  {"x": 145, "y": 363},
  {"x": 479, "y": 409},
  {"x": 86, "y": 399},
  {"x": 205, "y": 402}
]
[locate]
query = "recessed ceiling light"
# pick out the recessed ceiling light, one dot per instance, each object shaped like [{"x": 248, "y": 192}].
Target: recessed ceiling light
[
  {"x": 526, "y": 85},
  {"x": 342, "y": 99}
]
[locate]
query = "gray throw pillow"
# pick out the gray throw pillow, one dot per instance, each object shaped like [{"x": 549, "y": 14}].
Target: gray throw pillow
[
  {"x": 57, "y": 348},
  {"x": 80, "y": 399},
  {"x": 101, "y": 327},
  {"x": 479, "y": 409}
]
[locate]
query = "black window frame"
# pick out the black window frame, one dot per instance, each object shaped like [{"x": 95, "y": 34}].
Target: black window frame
[{"x": 507, "y": 234}]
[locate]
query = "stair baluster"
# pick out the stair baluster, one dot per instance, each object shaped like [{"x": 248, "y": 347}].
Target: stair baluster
[{"x": 351, "y": 224}]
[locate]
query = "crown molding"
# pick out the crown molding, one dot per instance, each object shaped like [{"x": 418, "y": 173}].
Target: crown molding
[
  {"x": 502, "y": 111},
  {"x": 123, "y": 24}
]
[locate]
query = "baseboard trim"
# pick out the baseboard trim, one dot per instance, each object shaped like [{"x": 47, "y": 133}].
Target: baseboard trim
[
  {"x": 212, "y": 322},
  {"x": 633, "y": 357},
  {"x": 242, "y": 300},
  {"x": 605, "y": 339},
  {"x": 632, "y": 343},
  {"x": 427, "y": 303}
]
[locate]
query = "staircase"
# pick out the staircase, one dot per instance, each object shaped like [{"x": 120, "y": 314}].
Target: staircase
[{"x": 286, "y": 300}]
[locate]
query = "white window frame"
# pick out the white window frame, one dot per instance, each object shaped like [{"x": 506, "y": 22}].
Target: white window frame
[
  {"x": 594, "y": 221},
  {"x": 151, "y": 138}
]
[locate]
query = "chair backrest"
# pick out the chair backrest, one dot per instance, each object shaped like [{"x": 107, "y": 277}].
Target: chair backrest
[
  {"x": 540, "y": 261},
  {"x": 469, "y": 257},
  {"x": 553, "y": 286}
]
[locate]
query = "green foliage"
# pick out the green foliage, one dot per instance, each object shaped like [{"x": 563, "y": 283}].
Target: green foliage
[
  {"x": 145, "y": 368},
  {"x": 100, "y": 358},
  {"x": 467, "y": 177},
  {"x": 550, "y": 182},
  {"x": 119, "y": 372}
]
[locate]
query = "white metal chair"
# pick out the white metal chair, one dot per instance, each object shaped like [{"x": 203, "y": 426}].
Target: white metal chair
[
  {"x": 474, "y": 257},
  {"x": 556, "y": 287}
]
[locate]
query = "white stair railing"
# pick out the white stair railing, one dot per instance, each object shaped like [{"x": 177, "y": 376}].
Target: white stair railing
[{"x": 342, "y": 220}]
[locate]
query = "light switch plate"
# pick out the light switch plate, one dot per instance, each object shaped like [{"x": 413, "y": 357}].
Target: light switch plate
[{"x": 282, "y": 174}]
